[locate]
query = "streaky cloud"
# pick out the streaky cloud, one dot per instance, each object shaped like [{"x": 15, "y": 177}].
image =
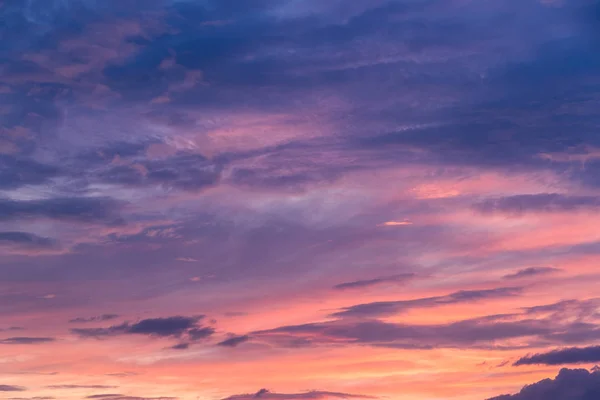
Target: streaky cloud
[
  {"x": 365, "y": 283},
  {"x": 572, "y": 355}
]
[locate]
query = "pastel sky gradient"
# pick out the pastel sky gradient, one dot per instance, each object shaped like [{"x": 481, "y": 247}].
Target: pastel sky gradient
[{"x": 299, "y": 199}]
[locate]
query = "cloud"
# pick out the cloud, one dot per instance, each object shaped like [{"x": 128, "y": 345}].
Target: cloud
[
  {"x": 384, "y": 308},
  {"x": 16, "y": 172},
  {"x": 313, "y": 395},
  {"x": 234, "y": 341},
  {"x": 365, "y": 283},
  {"x": 180, "y": 346},
  {"x": 11, "y": 388},
  {"x": 26, "y": 241},
  {"x": 26, "y": 340},
  {"x": 529, "y": 272},
  {"x": 114, "y": 396},
  {"x": 169, "y": 327},
  {"x": 84, "y": 209},
  {"x": 185, "y": 171},
  {"x": 32, "y": 398},
  {"x": 544, "y": 202},
  {"x": 573, "y": 355},
  {"x": 570, "y": 384},
  {"x": 81, "y": 387},
  {"x": 555, "y": 324},
  {"x": 99, "y": 318}
]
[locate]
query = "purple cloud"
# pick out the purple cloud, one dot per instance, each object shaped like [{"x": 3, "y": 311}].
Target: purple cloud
[
  {"x": 570, "y": 384},
  {"x": 573, "y": 355},
  {"x": 313, "y": 395},
  {"x": 384, "y": 308},
  {"x": 11, "y": 388},
  {"x": 234, "y": 341},
  {"x": 532, "y": 271},
  {"x": 365, "y": 283}
]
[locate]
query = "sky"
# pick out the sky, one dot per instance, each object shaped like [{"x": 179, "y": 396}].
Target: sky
[{"x": 299, "y": 199}]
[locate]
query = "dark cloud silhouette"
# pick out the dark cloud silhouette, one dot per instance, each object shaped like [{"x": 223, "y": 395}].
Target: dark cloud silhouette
[
  {"x": 313, "y": 395},
  {"x": 374, "y": 282},
  {"x": 99, "y": 318},
  {"x": 27, "y": 340},
  {"x": 11, "y": 388},
  {"x": 234, "y": 341},
  {"x": 573, "y": 355},
  {"x": 384, "y": 308},
  {"x": 570, "y": 384},
  {"x": 545, "y": 202},
  {"x": 169, "y": 327},
  {"x": 532, "y": 271}
]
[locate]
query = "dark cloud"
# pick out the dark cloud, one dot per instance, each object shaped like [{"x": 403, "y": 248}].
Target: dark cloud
[
  {"x": 17, "y": 172},
  {"x": 11, "y": 388},
  {"x": 384, "y": 308},
  {"x": 99, "y": 318},
  {"x": 183, "y": 171},
  {"x": 532, "y": 271},
  {"x": 169, "y": 327},
  {"x": 234, "y": 341},
  {"x": 573, "y": 355},
  {"x": 180, "y": 346},
  {"x": 545, "y": 202},
  {"x": 313, "y": 395},
  {"x": 27, "y": 340},
  {"x": 570, "y": 384},
  {"x": 26, "y": 239},
  {"x": 374, "y": 282},
  {"x": 85, "y": 209}
]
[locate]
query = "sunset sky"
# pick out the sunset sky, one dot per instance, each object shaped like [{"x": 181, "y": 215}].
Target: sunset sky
[{"x": 299, "y": 199}]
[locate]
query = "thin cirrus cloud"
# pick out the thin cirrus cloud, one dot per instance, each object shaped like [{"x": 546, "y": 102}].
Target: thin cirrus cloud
[
  {"x": 11, "y": 388},
  {"x": 530, "y": 272},
  {"x": 81, "y": 387},
  {"x": 98, "y": 318},
  {"x": 366, "y": 283},
  {"x": 313, "y": 395},
  {"x": 543, "y": 324},
  {"x": 384, "y": 308},
  {"x": 26, "y": 340},
  {"x": 180, "y": 327},
  {"x": 116, "y": 396},
  {"x": 234, "y": 341}
]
